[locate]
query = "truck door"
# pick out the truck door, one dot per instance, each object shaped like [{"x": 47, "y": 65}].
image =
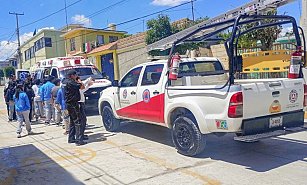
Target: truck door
[
  {"x": 150, "y": 96},
  {"x": 127, "y": 94}
]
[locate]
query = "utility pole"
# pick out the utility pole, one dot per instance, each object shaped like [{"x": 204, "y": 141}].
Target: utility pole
[
  {"x": 17, "y": 32},
  {"x": 66, "y": 16},
  {"x": 192, "y": 4}
]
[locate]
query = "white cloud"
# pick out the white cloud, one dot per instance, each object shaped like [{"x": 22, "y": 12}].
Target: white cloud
[
  {"x": 168, "y": 2},
  {"x": 81, "y": 19},
  {"x": 8, "y": 48},
  {"x": 286, "y": 29}
]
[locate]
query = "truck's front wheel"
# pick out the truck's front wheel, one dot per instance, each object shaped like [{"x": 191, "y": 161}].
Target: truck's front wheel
[
  {"x": 109, "y": 121},
  {"x": 187, "y": 138}
]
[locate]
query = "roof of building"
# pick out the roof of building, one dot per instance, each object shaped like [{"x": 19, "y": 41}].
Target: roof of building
[
  {"x": 91, "y": 29},
  {"x": 109, "y": 46},
  {"x": 133, "y": 40},
  {"x": 37, "y": 35}
]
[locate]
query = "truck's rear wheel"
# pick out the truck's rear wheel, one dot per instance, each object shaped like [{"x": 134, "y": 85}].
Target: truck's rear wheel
[
  {"x": 109, "y": 121},
  {"x": 187, "y": 138}
]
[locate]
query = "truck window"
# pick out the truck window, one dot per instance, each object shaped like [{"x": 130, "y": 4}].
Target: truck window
[
  {"x": 152, "y": 74},
  {"x": 131, "y": 79},
  {"x": 201, "y": 68}
]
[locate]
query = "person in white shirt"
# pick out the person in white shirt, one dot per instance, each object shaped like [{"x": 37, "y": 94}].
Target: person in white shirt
[{"x": 87, "y": 83}]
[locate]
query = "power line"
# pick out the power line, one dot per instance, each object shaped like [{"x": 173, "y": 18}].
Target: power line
[
  {"x": 128, "y": 21},
  {"x": 102, "y": 10},
  {"x": 50, "y": 14}
]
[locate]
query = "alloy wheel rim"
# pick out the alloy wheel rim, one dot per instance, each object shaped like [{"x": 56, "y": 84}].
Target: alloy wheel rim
[{"x": 184, "y": 137}]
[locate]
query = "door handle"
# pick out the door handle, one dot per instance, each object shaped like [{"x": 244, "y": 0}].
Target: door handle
[
  {"x": 275, "y": 84},
  {"x": 156, "y": 92},
  {"x": 133, "y": 93}
]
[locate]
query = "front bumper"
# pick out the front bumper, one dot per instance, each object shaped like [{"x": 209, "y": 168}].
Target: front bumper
[{"x": 260, "y": 125}]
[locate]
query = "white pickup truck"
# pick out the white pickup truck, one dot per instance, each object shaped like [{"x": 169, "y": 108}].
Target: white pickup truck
[{"x": 201, "y": 102}]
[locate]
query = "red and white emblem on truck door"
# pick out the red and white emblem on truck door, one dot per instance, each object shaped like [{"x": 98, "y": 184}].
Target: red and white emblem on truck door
[
  {"x": 146, "y": 96},
  {"x": 125, "y": 94}
]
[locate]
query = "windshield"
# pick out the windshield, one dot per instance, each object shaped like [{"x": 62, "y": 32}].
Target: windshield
[
  {"x": 84, "y": 72},
  {"x": 200, "y": 68}
]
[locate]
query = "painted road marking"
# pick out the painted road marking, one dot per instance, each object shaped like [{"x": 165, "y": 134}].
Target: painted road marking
[
  {"x": 163, "y": 163},
  {"x": 75, "y": 156}
]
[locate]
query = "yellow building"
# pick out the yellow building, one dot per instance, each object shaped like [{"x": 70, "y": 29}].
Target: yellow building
[
  {"x": 47, "y": 43},
  {"x": 86, "y": 41},
  {"x": 266, "y": 64}
]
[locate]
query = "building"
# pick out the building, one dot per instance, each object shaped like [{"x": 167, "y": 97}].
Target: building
[
  {"x": 131, "y": 51},
  {"x": 4, "y": 64},
  {"x": 47, "y": 43},
  {"x": 96, "y": 44}
]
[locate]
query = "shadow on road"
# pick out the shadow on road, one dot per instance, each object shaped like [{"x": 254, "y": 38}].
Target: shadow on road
[
  {"x": 261, "y": 156},
  {"x": 28, "y": 165}
]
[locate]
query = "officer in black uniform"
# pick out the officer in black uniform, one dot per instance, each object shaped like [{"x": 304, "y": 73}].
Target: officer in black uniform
[{"x": 72, "y": 96}]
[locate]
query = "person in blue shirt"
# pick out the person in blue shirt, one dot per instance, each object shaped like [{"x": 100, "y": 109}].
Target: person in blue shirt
[
  {"x": 22, "y": 107},
  {"x": 61, "y": 106},
  {"x": 45, "y": 95}
]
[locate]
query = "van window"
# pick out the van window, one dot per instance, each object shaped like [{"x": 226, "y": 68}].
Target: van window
[
  {"x": 84, "y": 72},
  {"x": 54, "y": 73}
]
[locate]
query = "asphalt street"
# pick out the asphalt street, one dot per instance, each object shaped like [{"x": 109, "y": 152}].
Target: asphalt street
[{"x": 144, "y": 154}]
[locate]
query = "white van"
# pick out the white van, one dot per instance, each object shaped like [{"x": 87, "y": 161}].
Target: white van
[{"x": 59, "y": 66}]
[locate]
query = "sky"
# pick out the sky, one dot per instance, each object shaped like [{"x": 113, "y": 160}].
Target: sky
[{"x": 99, "y": 13}]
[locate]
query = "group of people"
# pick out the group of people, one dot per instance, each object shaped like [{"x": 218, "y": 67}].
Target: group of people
[{"x": 51, "y": 100}]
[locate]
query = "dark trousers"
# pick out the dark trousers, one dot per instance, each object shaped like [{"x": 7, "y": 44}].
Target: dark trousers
[
  {"x": 8, "y": 109},
  {"x": 82, "y": 118},
  {"x": 75, "y": 126},
  {"x": 31, "y": 108}
]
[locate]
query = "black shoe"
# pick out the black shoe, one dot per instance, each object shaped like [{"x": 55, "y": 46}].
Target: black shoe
[
  {"x": 80, "y": 143},
  {"x": 47, "y": 123},
  {"x": 72, "y": 141},
  {"x": 10, "y": 120},
  {"x": 85, "y": 137}
]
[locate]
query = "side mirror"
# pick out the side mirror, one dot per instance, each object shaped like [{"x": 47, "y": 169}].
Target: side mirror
[{"x": 115, "y": 83}]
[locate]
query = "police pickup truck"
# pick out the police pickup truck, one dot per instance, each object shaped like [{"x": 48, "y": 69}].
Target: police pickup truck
[{"x": 198, "y": 102}]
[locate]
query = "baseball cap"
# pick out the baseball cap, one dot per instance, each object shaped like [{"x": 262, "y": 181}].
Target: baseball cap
[{"x": 71, "y": 72}]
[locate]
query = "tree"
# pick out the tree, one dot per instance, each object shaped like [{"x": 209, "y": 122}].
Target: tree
[
  {"x": 158, "y": 29},
  {"x": 1, "y": 75},
  {"x": 267, "y": 36},
  {"x": 161, "y": 27},
  {"x": 8, "y": 71}
]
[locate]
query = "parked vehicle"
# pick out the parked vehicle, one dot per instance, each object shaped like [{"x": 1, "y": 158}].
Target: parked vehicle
[
  {"x": 58, "y": 67},
  {"x": 197, "y": 96},
  {"x": 22, "y": 74}
]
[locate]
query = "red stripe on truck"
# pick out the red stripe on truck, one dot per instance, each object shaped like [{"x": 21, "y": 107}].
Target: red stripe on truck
[{"x": 151, "y": 111}]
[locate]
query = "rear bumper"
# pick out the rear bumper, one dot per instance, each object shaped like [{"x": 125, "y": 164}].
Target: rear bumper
[
  {"x": 260, "y": 125},
  {"x": 257, "y": 137}
]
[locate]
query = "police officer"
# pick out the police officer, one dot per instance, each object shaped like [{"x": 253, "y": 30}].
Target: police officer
[{"x": 72, "y": 97}]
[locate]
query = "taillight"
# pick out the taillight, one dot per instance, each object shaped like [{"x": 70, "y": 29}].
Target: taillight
[
  {"x": 305, "y": 95},
  {"x": 235, "y": 109}
]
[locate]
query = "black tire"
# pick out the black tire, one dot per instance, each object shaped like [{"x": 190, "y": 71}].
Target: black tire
[
  {"x": 187, "y": 138},
  {"x": 110, "y": 123}
]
